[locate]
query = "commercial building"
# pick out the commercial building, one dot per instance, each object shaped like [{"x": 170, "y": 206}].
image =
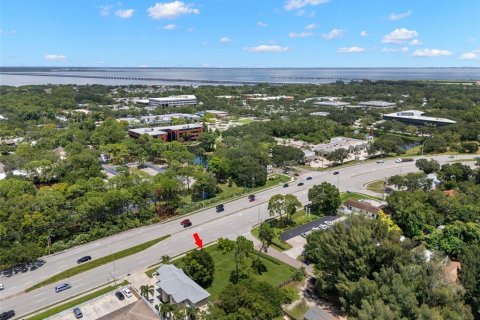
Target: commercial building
[
  {"x": 184, "y": 132},
  {"x": 158, "y": 119},
  {"x": 264, "y": 97},
  {"x": 320, "y": 113},
  {"x": 217, "y": 113},
  {"x": 328, "y": 103},
  {"x": 416, "y": 117},
  {"x": 376, "y": 104},
  {"x": 173, "y": 101},
  {"x": 337, "y": 143},
  {"x": 175, "y": 287}
]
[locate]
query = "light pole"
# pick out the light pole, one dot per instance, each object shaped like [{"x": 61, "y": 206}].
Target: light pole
[
  {"x": 113, "y": 261},
  {"x": 203, "y": 196}
]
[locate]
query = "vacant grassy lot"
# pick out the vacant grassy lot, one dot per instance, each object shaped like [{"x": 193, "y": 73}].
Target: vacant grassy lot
[
  {"x": 376, "y": 186},
  {"x": 72, "y": 304},
  {"x": 277, "y": 272},
  {"x": 96, "y": 263}
]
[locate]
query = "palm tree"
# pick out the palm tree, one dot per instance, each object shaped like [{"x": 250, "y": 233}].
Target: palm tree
[
  {"x": 165, "y": 309},
  {"x": 146, "y": 290},
  {"x": 192, "y": 312}
]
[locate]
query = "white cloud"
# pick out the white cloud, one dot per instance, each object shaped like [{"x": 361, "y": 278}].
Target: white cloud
[
  {"x": 388, "y": 50},
  {"x": 105, "y": 10},
  {"x": 124, "y": 14},
  {"x": 55, "y": 57},
  {"x": 401, "y": 35},
  {"x": 297, "y": 4},
  {"x": 363, "y": 33},
  {"x": 333, "y": 34},
  {"x": 395, "y": 16},
  {"x": 311, "y": 26},
  {"x": 262, "y": 24},
  {"x": 266, "y": 48},
  {"x": 204, "y": 43},
  {"x": 350, "y": 50},
  {"x": 143, "y": 66},
  {"x": 415, "y": 42},
  {"x": 170, "y": 26},
  {"x": 471, "y": 55},
  {"x": 431, "y": 53},
  {"x": 171, "y": 10},
  {"x": 7, "y": 31},
  {"x": 225, "y": 40},
  {"x": 303, "y": 34}
]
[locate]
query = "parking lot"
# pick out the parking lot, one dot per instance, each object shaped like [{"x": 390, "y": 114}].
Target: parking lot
[{"x": 98, "y": 307}]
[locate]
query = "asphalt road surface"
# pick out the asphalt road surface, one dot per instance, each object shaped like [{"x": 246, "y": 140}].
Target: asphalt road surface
[{"x": 237, "y": 219}]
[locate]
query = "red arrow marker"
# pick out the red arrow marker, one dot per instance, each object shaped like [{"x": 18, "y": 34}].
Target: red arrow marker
[{"x": 198, "y": 240}]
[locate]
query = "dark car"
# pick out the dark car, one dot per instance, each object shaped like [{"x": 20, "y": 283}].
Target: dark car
[
  {"x": 78, "y": 313},
  {"x": 296, "y": 174},
  {"x": 300, "y": 184},
  {"x": 335, "y": 173},
  {"x": 7, "y": 315},
  {"x": 285, "y": 185},
  {"x": 62, "y": 287},
  {"x": 119, "y": 295},
  {"x": 309, "y": 178},
  {"x": 251, "y": 198},
  {"x": 220, "y": 208},
  {"x": 84, "y": 259},
  {"x": 185, "y": 223}
]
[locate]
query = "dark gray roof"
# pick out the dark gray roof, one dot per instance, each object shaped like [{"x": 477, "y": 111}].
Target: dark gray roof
[
  {"x": 177, "y": 284},
  {"x": 315, "y": 313}
]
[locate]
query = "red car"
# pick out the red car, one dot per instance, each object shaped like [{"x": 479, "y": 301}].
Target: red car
[{"x": 186, "y": 223}]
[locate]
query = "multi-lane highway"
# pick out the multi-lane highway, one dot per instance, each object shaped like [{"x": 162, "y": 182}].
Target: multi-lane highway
[{"x": 237, "y": 219}]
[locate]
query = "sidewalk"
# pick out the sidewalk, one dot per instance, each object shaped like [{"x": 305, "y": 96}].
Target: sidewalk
[{"x": 282, "y": 257}]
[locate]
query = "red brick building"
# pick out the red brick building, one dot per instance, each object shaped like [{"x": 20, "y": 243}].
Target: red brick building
[{"x": 182, "y": 132}]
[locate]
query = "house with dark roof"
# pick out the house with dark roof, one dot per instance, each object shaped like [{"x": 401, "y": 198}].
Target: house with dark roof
[
  {"x": 175, "y": 287},
  {"x": 359, "y": 207}
]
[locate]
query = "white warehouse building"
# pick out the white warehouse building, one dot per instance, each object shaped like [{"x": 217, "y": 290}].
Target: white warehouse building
[{"x": 173, "y": 101}]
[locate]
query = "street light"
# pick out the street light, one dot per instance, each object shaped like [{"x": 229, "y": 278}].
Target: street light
[{"x": 113, "y": 261}]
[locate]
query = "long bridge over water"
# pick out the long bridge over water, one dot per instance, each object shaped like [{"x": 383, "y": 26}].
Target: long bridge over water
[{"x": 173, "y": 80}]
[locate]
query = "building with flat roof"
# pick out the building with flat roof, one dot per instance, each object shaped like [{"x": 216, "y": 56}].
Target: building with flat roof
[
  {"x": 416, "y": 117},
  {"x": 377, "y": 104},
  {"x": 331, "y": 103},
  {"x": 158, "y": 119},
  {"x": 175, "y": 287},
  {"x": 173, "y": 101},
  {"x": 337, "y": 143},
  {"x": 183, "y": 132}
]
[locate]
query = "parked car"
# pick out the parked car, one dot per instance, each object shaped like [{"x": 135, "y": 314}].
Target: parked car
[
  {"x": 380, "y": 161},
  {"x": 309, "y": 178},
  {"x": 186, "y": 223},
  {"x": 323, "y": 226},
  {"x": 119, "y": 295},
  {"x": 300, "y": 184},
  {"x": 62, "y": 287},
  {"x": 296, "y": 174},
  {"x": 315, "y": 229},
  {"x": 7, "y": 315},
  {"x": 84, "y": 259},
  {"x": 285, "y": 185},
  {"x": 1, "y": 287},
  {"x": 329, "y": 223},
  {"x": 451, "y": 157},
  {"x": 220, "y": 208},
  {"x": 78, "y": 313},
  {"x": 251, "y": 198},
  {"x": 335, "y": 173},
  {"x": 127, "y": 292},
  {"x": 398, "y": 160}
]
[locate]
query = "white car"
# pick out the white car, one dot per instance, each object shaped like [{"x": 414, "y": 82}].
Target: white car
[
  {"x": 329, "y": 223},
  {"x": 398, "y": 160},
  {"x": 127, "y": 292},
  {"x": 380, "y": 161},
  {"x": 1, "y": 287},
  {"x": 323, "y": 226},
  {"x": 315, "y": 229}
]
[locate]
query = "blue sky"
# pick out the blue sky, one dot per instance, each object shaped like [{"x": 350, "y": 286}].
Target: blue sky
[{"x": 240, "y": 33}]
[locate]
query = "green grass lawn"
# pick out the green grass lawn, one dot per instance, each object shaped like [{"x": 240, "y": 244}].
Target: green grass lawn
[
  {"x": 277, "y": 272},
  {"x": 96, "y": 263},
  {"x": 72, "y": 304},
  {"x": 376, "y": 186},
  {"x": 299, "y": 310},
  {"x": 358, "y": 196},
  {"x": 299, "y": 218}
]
